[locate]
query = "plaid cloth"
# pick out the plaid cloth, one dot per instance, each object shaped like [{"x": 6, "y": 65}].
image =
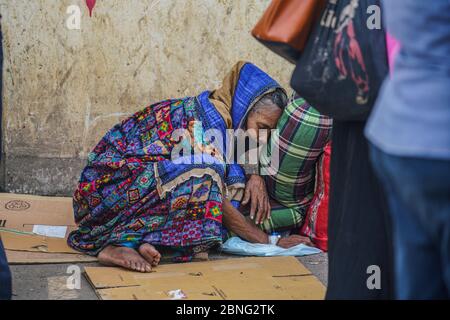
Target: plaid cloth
[
  {"x": 282, "y": 218},
  {"x": 302, "y": 136}
]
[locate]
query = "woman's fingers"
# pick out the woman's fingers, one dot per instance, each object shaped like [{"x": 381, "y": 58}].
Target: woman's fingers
[
  {"x": 265, "y": 208},
  {"x": 253, "y": 207},
  {"x": 268, "y": 209},
  {"x": 246, "y": 197},
  {"x": 261, "y": 211}
]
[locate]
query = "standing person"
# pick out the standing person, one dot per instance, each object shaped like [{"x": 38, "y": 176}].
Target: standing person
[
  {"x": 410, "y": 133},
  {"x": 340, "y": 72},
  {"x": 359, "y": 229},
  {"x": 5, "y": 275}
]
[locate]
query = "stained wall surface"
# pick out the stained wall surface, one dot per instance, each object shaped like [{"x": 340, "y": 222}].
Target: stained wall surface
[{"x": 63, "y": 89}]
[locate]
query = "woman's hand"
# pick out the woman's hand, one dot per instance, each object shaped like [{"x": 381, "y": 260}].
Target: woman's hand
[
  {"x": 293, "y": 241},
  {"x": 256, "y": 194}
]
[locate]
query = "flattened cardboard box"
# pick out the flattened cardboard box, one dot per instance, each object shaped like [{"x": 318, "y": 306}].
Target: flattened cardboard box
[
  {"x": 25, "y": 257},
  {"x": 232, "y": 279},
  {"x": 22, "y": 213}
]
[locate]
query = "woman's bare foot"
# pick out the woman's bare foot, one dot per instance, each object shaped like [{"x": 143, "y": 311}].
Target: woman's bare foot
[
  {"x": 293, "y": 241},
  {"x": 150, "y": 254},
  {"x": 201, "y": 256},
  {"x": 124, "y": 257}
]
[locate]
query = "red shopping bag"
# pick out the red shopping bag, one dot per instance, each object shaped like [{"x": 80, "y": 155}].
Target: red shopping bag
[{"x": 316, "y": 221}]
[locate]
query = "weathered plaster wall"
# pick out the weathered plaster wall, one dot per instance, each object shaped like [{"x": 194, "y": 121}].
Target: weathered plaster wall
[{"x": 64, "y": 88}]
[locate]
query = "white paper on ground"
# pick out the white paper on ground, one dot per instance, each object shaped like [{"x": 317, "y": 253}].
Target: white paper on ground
[
  {"x": 177, "y": 294},
  {"x": 50, "y": 231},
  {"x": 236, "y": 245}
]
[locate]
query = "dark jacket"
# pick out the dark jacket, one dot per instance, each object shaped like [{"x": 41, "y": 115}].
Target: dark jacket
[{"x": 5, "y": 275}]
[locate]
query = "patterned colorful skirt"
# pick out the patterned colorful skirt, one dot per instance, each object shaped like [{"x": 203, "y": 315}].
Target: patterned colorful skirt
[{"x": 126, "y": 196}]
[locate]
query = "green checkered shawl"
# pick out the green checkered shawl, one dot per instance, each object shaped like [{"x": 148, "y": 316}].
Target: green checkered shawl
[{"x": 301, "y": 137}]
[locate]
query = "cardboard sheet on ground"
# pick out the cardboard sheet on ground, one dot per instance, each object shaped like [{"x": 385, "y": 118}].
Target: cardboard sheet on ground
[
  {"x": 34, "y": 229},
  {"x": 231, "y": 279},
  {"x": 24, "y": 257}
]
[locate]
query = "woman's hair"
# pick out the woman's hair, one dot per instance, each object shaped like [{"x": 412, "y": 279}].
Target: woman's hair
[{"x": 277, "y": 97}]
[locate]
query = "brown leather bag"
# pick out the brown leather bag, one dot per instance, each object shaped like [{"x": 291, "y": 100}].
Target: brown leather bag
[{"x": 285, "y": 26}]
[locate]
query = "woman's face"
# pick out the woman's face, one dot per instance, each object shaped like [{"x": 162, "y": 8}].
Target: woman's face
[{"x": 266, "y": 117}]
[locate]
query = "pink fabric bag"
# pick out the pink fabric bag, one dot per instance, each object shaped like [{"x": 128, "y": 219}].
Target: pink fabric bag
[{"x": 393, "y": 47}]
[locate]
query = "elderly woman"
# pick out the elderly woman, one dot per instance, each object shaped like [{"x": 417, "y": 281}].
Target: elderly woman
[{"x": 134, "y": 198}]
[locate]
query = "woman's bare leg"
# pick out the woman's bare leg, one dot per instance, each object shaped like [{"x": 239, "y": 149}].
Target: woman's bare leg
[
  {"x": 124, "y": 257},
  {"x": 201, "y": 256}
]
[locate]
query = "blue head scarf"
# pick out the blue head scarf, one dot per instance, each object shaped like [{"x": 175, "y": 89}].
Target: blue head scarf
[
  {"x": 228, "y": 107},
  {"x": 222, "y": 109}
]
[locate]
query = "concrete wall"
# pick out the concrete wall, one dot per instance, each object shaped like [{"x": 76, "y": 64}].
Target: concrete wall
[{"x": 63, "y": 89}]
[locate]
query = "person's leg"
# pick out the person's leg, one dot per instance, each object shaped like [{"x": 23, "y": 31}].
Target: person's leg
[
  {"x": 417, "y": 203},
  {"x": 5, "y": 275},
  {"x": 445, "y": 246},
  {"x": 359, "y": 226},
  {"x": 433, "y": 198}
]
